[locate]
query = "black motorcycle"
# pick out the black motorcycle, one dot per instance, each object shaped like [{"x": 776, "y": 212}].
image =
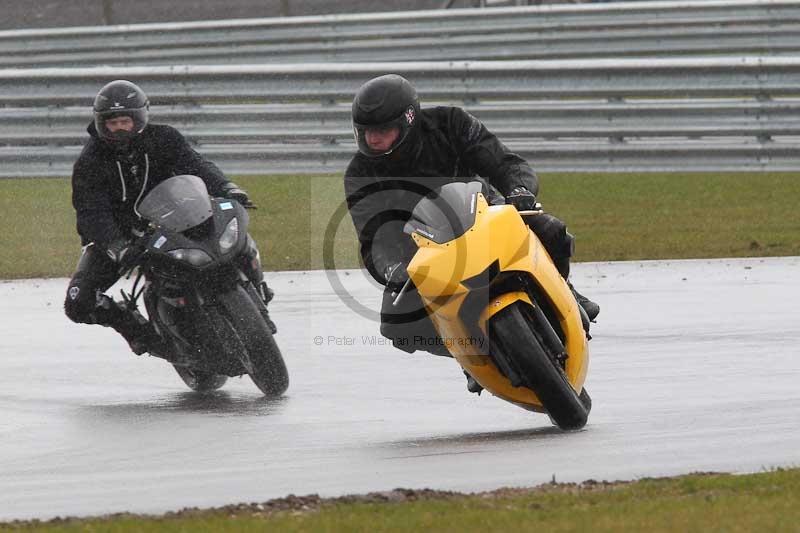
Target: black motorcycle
[{"x": 202, "y": 289}]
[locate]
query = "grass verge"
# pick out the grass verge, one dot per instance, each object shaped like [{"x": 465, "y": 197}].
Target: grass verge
[
  {"x": 614, "y": 216},
  {"x": 768, "y": 501}
]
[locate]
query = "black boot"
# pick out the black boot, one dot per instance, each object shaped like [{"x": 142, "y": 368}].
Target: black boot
[
  {"x": 140, "y": 334},
  {"x": 473, "y": 385},
  {"x": 134, "y": 328},
  {"x": 591, "y": 308}
]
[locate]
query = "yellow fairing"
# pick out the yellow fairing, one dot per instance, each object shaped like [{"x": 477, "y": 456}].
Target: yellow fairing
[{"x": 499, "y": 234}]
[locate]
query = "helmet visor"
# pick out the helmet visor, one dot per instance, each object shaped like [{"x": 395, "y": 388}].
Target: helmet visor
[
  {"x": 375, "y": 140},
  {"x": 102, "y": 119}
]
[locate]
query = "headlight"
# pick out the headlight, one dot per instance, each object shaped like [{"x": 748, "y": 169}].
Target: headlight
[
  {"x": 193, "y": 256},
  {"x": 230, "y": 236}
]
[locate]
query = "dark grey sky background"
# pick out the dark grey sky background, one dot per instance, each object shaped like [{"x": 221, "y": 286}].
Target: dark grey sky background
[{"x": 60, "y": 13}]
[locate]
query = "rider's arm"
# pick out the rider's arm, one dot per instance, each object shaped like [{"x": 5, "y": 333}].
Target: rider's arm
[
  {"x": 94, "y": 212},
  {"x": 483, "y": 152},
  {"x": 185, "y": 160},
  {"x": 379, "y": 237}
]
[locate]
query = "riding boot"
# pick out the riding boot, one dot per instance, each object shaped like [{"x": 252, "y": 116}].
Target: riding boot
[
  {"x": 590, "y": 307},
  {"x": 134, "y": 328},
  {"x": 140, "y": 334},
  {"x": 472, "y": 384}
]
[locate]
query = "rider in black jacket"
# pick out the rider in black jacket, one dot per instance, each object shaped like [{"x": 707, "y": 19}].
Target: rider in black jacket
[
  {"x": 397, "y": 139},
  {"x": 124, "y": 158}
]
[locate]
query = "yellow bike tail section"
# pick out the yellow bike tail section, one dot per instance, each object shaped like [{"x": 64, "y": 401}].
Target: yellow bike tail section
[{"x": 501, "y": 241}]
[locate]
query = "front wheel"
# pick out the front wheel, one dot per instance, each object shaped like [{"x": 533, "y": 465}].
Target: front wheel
[
  {"x": 200, "y": 381},
  {"x": 521, "y": 350},
  {"x": 260, "y": 355}
]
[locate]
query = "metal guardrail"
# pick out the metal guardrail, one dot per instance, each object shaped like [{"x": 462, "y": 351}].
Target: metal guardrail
[
  {"x": 628, "y": 114},
  {"x": 544, "y": 120},
  {"x": 639, "y": 156},
  {"x": 765, "y": 27},
  {"x": 453, "y": 82},
  {"x": 767, "y": 38}
]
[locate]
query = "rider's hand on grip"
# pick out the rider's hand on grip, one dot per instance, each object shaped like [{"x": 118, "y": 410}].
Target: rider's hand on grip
[
  {"x": 396, "y": 276},
  {"x": 234, "y": 192},
  {"x": 118, "y": 249},
  {"x": 127, "y": 253},
  {"x": 522, "y": 199}
]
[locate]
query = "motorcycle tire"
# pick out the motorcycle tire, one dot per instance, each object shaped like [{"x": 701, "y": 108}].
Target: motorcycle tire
[
  {"x": 512, "y": 335},
  {"x": 258, "y": 351},
  {"x": 200, "y": 381}
]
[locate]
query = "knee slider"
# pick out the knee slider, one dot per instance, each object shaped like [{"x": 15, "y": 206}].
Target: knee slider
[{"x": 79, "y": 305}]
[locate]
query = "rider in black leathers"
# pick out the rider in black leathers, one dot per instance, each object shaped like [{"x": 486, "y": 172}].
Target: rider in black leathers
[
  {"x": 124, "y": 158},
  {"x": 397, "y": 139}
]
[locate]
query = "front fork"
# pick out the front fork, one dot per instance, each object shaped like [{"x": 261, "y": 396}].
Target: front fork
[
  {"x": 261, "y": 296},
  {"x": 250, "y": 262},
  {"x": 257, "y": 288}
]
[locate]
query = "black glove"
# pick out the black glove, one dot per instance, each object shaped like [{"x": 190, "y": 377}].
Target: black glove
[
  {"x": 234, "y": 192},
  {"x": 118, "y": 249},
  {"x": 396, "y": 276},
  {"x": 522, "y": 199}
]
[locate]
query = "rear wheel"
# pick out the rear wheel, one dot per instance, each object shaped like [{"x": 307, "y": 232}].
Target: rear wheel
[
  {"x": 259, "y": 353},
  {"x": 200, "y": 381},
  {"x": 518, "y": 349}
]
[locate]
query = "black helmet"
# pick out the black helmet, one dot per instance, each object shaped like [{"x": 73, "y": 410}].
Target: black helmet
[
  {"x": 116, "y": 99},
  {"x": 381, "y": 103}
]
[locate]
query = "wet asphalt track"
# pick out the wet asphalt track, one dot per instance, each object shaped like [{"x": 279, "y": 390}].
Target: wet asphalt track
[{"x": 696, "y": 367}]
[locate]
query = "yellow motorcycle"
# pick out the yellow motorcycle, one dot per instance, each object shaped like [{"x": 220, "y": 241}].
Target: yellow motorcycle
[{"x": 499, "y": 304}]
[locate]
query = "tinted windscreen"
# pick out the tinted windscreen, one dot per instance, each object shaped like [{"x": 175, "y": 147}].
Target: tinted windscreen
[
  {"x": 447, "y": 213},
  {"x": 179, "y": 203}
]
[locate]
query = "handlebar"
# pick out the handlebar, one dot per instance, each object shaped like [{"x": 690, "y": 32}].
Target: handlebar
[{"x": 137, "y": 249}]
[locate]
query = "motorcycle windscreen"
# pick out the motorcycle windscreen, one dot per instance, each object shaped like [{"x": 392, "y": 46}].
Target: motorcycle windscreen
[
  {"x": 446, "y": 214},
  {"x": 178, "y": 203}
]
